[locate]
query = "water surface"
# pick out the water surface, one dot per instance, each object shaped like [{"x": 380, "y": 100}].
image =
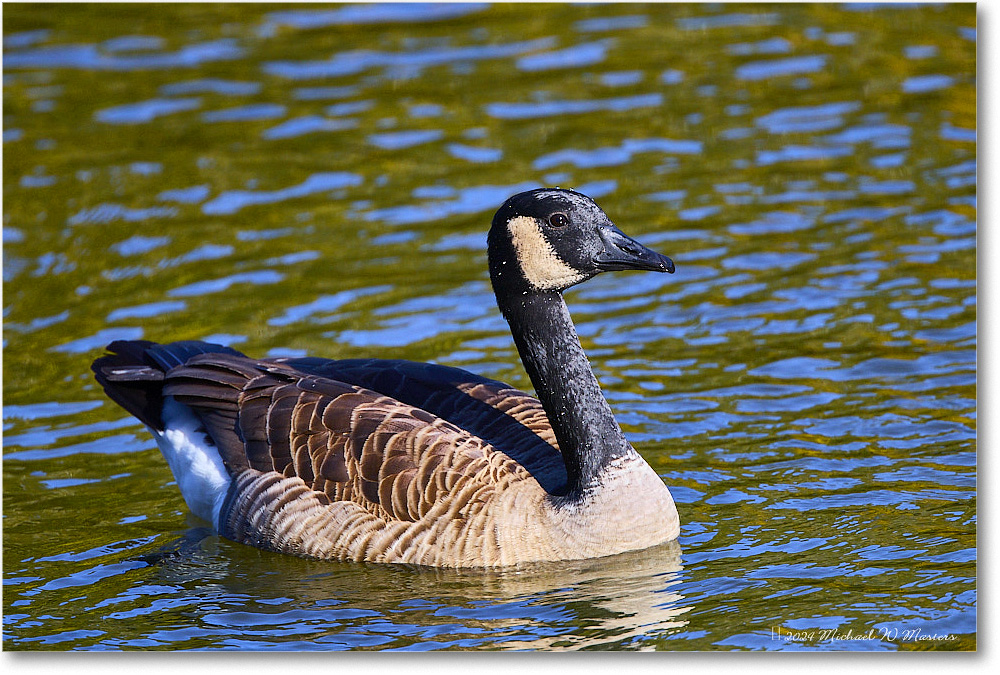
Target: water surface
[{"x": 319, "y": 180}]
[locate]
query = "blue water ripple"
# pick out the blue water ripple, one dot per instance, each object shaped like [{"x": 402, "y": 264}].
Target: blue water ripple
[
  {"x": 728, "y": 20},
  {"x": 309, "y": 124},
  {"x": 98, "y": 340},
  {"x": 900, "y": 499},
  {"x": 211, "y": 85},
  {"x": 376, "y": 13},
  {"x": 801, "y": 153},
  {"x": 398, "y": 140},
  {"x": 921, "y": 84},
  {"x": 762, "y": 70},
  {"x": 92, "y": 575},
  {"x": 245, "y": 113},
  {"x": 474, "y": 154},
  {"x": 324, "y": 93},
  {"x": 110, "y": 445},
  {"x": 294, "y": 616},
  {"x": 143, "y": 112},
  {"x": 767, "y": 260},
  {"x": 577, "y": 56},
  {"x": 807, "y": 118},
  {"x": 349, "y": 108},
  {"x": 110, "y": 212},
  {"x": 92, "y": 57},
  {"x": 147, "y": 310},
  {"x": 572, "y": 107},
  {"x": 354, "y": 62},
  {"x": 474, "y": 199},
  {"x": 950, "y": 132},
  {"x": 880, "y": 135},
  {"x": 622, "y": 78},
  {"x": 325, "y": 304},
  {"x": 23, "y": 39},
  {"x": 100, "y": 551},
  {"x": 231, "y": 201},
  {"x": 218, "y": 285},
  {"x": 775, "y": 45},
  {"x": 774, "y": 222},
  {"x": 191, "y": 195},
  {"x": 616, "y": 155},
  {"x": 611, "y": 23},
  {"x": 34, "y": 411}
]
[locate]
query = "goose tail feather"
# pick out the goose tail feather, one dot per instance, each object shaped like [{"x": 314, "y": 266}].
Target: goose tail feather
[{"x": 132, "y": 373}]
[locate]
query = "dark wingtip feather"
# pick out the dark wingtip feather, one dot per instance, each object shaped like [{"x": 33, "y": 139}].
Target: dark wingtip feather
[
  {"x": 177, "y": 353},
  {"x": 125, "y": 374},
  {"x": 132, "y": 373}
]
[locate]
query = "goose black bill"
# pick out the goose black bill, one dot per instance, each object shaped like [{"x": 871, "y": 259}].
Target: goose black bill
[{"x": 622, "y": 252}]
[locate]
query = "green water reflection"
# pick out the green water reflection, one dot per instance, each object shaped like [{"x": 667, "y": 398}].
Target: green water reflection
[{"x": 319, "y": 180}]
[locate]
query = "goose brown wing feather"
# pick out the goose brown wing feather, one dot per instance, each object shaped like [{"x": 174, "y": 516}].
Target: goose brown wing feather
[
  {"x": 346, "y": 442},
  {"x": 507, "y": 418}
]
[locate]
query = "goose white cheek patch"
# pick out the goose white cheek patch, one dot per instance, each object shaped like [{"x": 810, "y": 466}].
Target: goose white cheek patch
[{"x": 540, "y": 264}]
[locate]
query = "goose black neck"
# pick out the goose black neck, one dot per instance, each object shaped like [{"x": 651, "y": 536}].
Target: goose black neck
[{"x": 588, "y": 434}]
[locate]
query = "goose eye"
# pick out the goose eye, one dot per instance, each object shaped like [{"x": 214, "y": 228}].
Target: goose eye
[{"x": 558, "y": 220}]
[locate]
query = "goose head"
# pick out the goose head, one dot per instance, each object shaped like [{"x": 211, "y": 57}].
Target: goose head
[{"x": 550, "y": 239}]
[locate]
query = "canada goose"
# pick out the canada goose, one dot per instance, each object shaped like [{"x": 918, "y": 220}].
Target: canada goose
[{"x": 395, "y": 461}]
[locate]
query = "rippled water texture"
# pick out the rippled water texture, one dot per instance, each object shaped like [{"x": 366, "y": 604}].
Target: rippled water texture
[{"x": 320, "y": 180}]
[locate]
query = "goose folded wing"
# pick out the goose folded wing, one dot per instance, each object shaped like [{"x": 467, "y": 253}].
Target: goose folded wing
[
  {"x": 508, "y": 419},
  {"x": 345, "y": 442}
]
